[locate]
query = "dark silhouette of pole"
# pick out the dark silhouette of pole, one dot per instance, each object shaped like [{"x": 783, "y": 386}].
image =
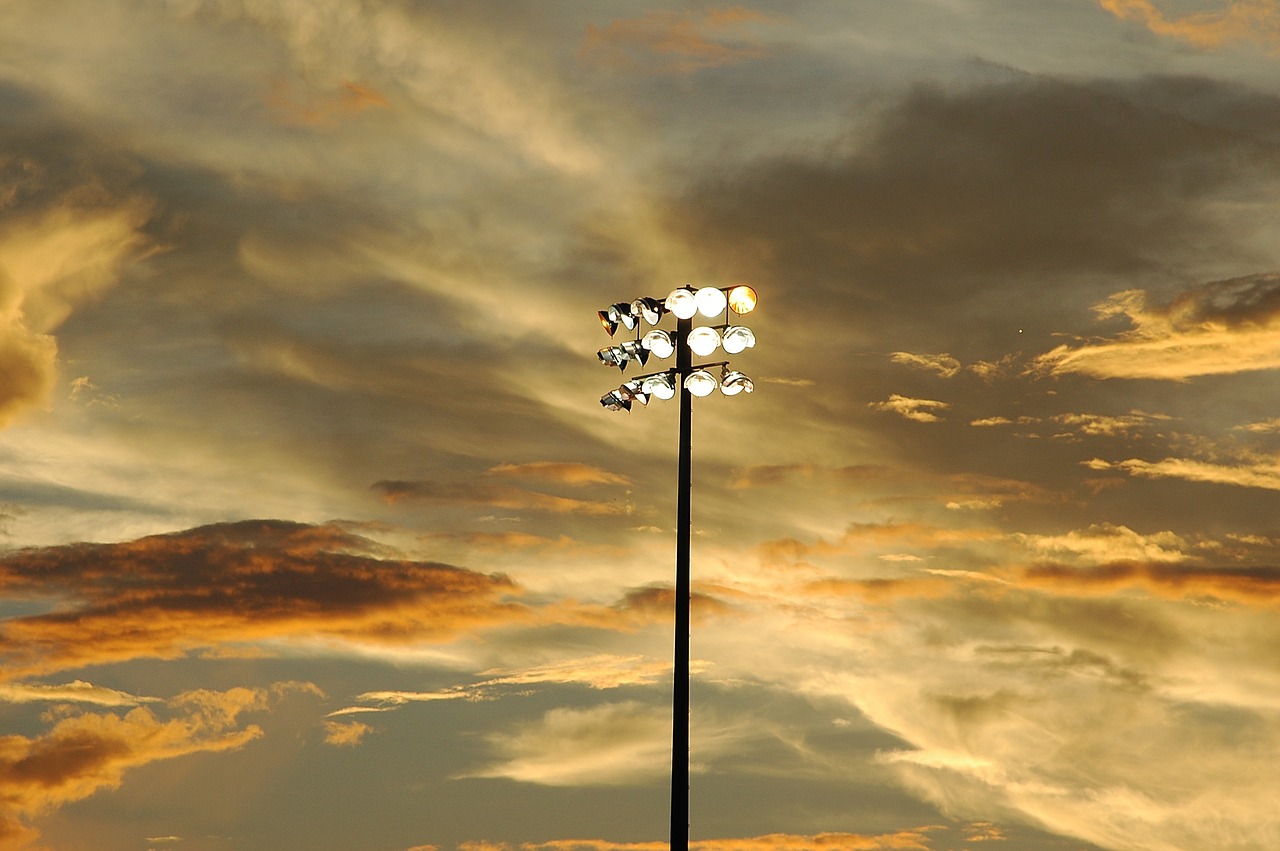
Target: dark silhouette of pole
[{"x": 680, "y": 688}]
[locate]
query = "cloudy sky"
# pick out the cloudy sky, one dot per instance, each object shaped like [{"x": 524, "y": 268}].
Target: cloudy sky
[{"x": 314, "y": 535}]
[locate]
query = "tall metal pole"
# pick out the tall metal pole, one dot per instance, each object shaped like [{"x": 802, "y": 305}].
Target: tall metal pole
[{"x": 680, "y": 690}]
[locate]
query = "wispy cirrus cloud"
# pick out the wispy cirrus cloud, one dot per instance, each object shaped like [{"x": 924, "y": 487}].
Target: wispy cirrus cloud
[
  {"x": 676, "y": 42},
  {"x": 1256, "y": 21},
  {"x": 76, "y": 691},
  {"x": 563, "y": 472},
  {"x": 1263, "y": 474},
  {"x": 611, "y": 744},
  {"x": 497, "y": 496}
]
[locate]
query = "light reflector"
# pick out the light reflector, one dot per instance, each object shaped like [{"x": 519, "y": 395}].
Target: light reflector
[
  {"x": 681, "y": 303},
  {"x": 742, "y": 299},
  {"x": 703, "y": 340},
  {"x": 663, "y": 386},
  {"x": 737, "y": 338},
  {"x": 649, "y": 309},
  {"x": 659, "y": 342},
  {"x": 711, "y": 301},
  {"x": 700, "y": 382},
  {"x": 733, "y": 382},
  {"x": 612, "y": 401}
]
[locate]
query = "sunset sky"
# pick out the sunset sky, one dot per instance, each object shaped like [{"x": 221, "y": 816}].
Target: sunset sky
[{"x": 314, "y": 534}]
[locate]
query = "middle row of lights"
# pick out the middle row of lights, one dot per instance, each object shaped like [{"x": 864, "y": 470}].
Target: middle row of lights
[{"x": 684, "y": 303}]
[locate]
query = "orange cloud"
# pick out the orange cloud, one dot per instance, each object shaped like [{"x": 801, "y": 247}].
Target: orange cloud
[
  {"x": 1252, "y": 585},
  {"x": 323, "y": 109},
  {"x": 345, "y": 733},
  {"x": 564, "y": 472},
  {"x": 943, "y": 364},
  {"x": 496, "y": 496},
  {"x": 87, "y": 752},
  {"x": 920, "y": 410},
  {"x": 1264, "y": 474},
  {"x": 1219, "y": 328},
  {"x": 675, "y": 42},
  {"x": 907, "y": 840},
  {"x": 161, "y": 596},
  {"x": 1242, "y": 20}
]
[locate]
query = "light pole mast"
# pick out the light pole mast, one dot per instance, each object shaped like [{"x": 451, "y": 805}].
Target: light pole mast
[
  {"x": 684, "y": 525},
  {"x": 691, "y": 381}
]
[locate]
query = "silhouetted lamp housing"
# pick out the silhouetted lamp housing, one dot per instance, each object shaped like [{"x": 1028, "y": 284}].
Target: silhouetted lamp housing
[
  {"x": 688, "y": 379},
  {"x": 684, "y": 303}
]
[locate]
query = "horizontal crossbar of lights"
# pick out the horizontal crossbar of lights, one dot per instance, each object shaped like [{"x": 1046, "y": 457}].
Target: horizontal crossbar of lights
[{"x": 684, "y": 303}]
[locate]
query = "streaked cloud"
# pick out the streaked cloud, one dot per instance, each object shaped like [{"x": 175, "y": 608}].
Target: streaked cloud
[
  {"x": 1262, "y": 473},
  {"x": 920, "y": 410},
  {"x": 165, "y": 595},
  {"x": 1107, "y": 543},
  {"x": 564, "y": 472},
  {"x": 1220, "y": 328},
  {"x": 497, "y": 496},
  {"x": 676, "y": 42},
  {"x": 610, "y": 744},
  {"x": 76, "y": 691},
  {"x": 907, "y": 840},
  {"x": 1255, "y": 21},
  {"x": 944, "y": 364}
]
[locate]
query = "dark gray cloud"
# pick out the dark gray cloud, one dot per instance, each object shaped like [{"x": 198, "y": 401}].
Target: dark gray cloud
[{"x": 160, "y": 596}]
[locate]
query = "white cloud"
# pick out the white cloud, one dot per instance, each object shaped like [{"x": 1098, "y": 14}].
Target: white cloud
[{"x": 920, "y": 410}]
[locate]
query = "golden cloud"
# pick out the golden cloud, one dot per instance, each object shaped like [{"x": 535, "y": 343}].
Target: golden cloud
[
  {"x": 1242, "y": 20},
  {"x": 1251, "y": 585},
  {"x": 677, "y": 42},
  {"x": 50, "y": 261},
  {"x": 1263, "y": 474},
  {"x": 495, "y": 496},
  {"x": 87, "y": 752},
  {"x": 564, "y": 472},
  {"x": 1220, "y": 328},
  {"x": 161, "y": 596},
  {"x": 943, "y": 364},
  {"x": 312, "y": 108},
  {"x": 345, "y": 733},
  {"x": 906, "y": 840},
  {"x": 920, "y": 410}
]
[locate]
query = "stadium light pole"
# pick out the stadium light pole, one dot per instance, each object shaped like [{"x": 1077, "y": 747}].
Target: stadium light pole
[{"x": 683, "y": 302}]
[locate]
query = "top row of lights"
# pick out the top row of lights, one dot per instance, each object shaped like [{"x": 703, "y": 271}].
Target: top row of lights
[{"x": 684, "y": 302}]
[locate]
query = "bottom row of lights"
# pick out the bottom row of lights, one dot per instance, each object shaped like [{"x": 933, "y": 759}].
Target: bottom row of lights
[{"x": 663, "y": 385}]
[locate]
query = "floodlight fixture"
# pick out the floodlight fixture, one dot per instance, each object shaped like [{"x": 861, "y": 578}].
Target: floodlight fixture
[
  {"x": 700, "y": 383},
  {"x": 635, "y": 351},
  {"x": 613, "y": 401},
  {"x": 703, "y": 340},
  {"x": 659, "y": 342},
  {"x": 737, "y": 338},
  {"x": 710, "y": 301},
  {"x": 662, "y": 385},
  {"x": 612, "y": 356},
  {"x": 733, "y": 382},
  {"x": 634, "y": 389},
  {"x": 681, "y": 302},
  {"x": 649, "y": 309},
  {"x": 742, "y": 299}
]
